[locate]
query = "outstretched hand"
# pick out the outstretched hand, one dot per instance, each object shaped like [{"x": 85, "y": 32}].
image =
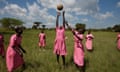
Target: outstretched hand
[
  {"x": 73, "y": 32},
  {"x": 24, "y": 51},
  {"x": 66, "y": 22},
  {"x": 58, "y": 13},
  {"x": 63, "y": 12}
]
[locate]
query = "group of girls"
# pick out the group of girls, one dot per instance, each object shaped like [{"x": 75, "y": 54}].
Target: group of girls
[
  {"x": 60, "y": 46},
  {"x": 14, "y": 53}
]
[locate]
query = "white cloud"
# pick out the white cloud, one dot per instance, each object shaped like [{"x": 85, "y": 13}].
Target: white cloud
[
  {"x": 37, "y": 13},
  {"x": 48, "y": 3},
  {"x": 33, "y": 13},
  {"x": 1, "y": 11},
  {"x": 4, "y": 1},
  {"x": 70, "y": 2},
  {"x": 40, "y": 11},
  {"x": 103, "y": 16},
  {"x": 14, "y": 9},
  {"x": 34, "y": 9},
  {"x": 86, "y": 7},
  {"x": 71, "y": 18},
  {"x": 85, "y": 20},
  {"x": 118, "y": 4},
  {"x": 76, "y": 7},
  {"x": 80, "y": 7}
]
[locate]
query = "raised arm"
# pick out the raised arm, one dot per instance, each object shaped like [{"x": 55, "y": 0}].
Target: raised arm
[
  {"x": 57, "y": 19},
  {"x": 68, "y": 26},
  {"x": 64, "y": 19},
  {"x": 22, "y": 49},
  {"x": 73, "y": 31},
  {"x": 117, "y": 39}
]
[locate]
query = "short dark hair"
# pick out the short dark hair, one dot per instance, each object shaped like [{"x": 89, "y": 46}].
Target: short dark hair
[{"x": 18, "y": 29}]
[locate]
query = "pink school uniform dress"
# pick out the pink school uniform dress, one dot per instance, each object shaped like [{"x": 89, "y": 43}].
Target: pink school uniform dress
[
  {"x": 2, "y": 51},
  {"x": 89, "y": 38},
  {"x": 118, "y": 41},
  {"x": 42, "y": 39},
  {"x": 78, "y": 50},
  {"x": 59, "y": 45},
  {"x": 13, "y": 58}
]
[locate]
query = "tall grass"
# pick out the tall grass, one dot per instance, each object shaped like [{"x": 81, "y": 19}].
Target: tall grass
[{"x": 104, "y": 58}]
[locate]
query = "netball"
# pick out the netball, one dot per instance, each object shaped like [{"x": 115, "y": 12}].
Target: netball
[{"x": 60, "y": 7}]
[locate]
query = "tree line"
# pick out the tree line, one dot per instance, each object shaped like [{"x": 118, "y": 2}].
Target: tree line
[{"x": 12, "y": 22}]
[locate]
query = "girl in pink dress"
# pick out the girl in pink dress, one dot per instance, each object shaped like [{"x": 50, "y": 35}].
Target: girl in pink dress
[
  {"x": 59, "y": 45},
  {"x": 42, "y": 39},
  {"x": 89, "y": 40},
  {"x": 2, "y": 51},
  {"x": 14, "y": 54},
  {"x": 78, "y": 55},
  {"x": 118, "y": 41}
]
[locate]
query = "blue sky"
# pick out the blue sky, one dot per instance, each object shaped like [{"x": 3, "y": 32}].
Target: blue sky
[{"x": 93, "y": 13}]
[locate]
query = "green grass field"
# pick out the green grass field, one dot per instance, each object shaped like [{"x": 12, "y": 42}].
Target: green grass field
[{"x": 104, "y": 58}]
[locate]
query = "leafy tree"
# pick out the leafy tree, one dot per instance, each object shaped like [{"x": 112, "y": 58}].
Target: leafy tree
[
  {"x": 8, "y": 22},
  {"x": 116, "y": 28},
  {"x": 43, "y": 26},
  {"x": 80, "y": 26},
  {"x": 109, "y": 29},
  {"x": 36, "y": 25}
]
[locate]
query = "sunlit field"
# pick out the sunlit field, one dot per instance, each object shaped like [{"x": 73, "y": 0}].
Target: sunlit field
[{"x": 104, "y": 58}]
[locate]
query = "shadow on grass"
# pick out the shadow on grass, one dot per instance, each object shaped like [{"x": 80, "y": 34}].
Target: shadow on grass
[
  {"x": 71, "y": 62},
  {"x": 33, "y": 64},
  {"x": 92, "y": 50},
  {"x": 86, "y": 65},
  {"x": 7, "y": 32},
  {"x": 118, "y": 49}
]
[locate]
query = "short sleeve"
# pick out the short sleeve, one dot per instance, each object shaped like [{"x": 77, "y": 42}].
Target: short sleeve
[
  {"x": 12, "y": 40},
  {"x": 81, "y": 36}
]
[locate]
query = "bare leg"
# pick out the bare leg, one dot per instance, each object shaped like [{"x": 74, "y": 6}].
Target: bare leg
[
  {"x": 23, "y": 66},
  {"x": 40, "y": 48},
  {"x": 58, "y": 58},
  {"x": 63, "y": 58},
  {"x": 3, "y": 56}
]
